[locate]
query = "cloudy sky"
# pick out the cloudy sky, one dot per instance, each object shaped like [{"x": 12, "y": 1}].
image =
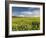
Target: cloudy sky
[{"x": 25, "y": 11}]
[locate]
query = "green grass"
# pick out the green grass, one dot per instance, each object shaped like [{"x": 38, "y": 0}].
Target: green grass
[{"x": 25, "y": 23}]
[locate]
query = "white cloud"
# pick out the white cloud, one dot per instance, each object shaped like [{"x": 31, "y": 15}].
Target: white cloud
[
  {"x": 20, "y": 15},
  {"x": 36, "y": 12},
  {"x": 26, "y": 12}
]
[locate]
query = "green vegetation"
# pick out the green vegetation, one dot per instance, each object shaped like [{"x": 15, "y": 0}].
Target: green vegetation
[{"x": 25, "y": 23}]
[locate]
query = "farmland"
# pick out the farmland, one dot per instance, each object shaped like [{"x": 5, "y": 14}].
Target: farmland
[{"x": 25, "y": 23}]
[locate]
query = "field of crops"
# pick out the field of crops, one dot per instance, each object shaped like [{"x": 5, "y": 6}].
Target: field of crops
[{"x": 25, "y": 23}]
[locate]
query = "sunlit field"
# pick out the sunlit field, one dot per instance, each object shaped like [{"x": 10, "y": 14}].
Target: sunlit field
[{"x": 25, "y": 23}]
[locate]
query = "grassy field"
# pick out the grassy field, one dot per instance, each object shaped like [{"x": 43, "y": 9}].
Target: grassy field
[{"x": 25, "y": 23}]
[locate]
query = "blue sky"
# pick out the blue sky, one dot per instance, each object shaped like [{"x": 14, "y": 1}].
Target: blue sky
[{"x": 16, "y": 11}]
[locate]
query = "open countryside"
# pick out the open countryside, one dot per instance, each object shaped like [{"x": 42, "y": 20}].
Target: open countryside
[
  {"x": 25, "y": 23},
  {"x": 25, "y": 18}
]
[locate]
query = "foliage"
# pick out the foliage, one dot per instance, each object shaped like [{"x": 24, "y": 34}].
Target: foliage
[{"x": 25, "y": 23}]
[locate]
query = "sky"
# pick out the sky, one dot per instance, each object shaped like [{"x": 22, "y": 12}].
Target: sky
[{"x": 25, "y": 11}]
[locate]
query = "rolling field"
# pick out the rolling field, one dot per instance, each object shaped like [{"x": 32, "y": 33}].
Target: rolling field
[{"x": 25, "y": 23}]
